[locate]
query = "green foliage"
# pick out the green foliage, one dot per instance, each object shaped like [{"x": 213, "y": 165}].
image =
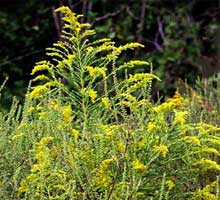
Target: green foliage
[{"x": 83, "y": 133}]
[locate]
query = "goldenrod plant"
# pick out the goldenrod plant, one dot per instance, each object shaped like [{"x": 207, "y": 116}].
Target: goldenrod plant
[{"x": 84, "y": 134}]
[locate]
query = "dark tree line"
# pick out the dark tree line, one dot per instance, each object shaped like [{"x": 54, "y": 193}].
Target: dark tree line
[{"x": 181, "y": 37}]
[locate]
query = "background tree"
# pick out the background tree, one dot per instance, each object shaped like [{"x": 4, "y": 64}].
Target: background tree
[{"x": 181, "y": 38}]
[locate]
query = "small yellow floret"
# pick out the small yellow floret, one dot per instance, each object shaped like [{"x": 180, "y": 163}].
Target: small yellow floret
[
  {"x": 162, "y": 148},
  {"x": 18, "y": 136},
  {"x": 54, "y": 105},
  {"x": 106, "y": 103},
  {"x": 151, "y": 127},
  {"x": 170, "y": 184},
  {"x": 92, "y": 94},
  {"x": 180, "y": 117},
  {"x": 75, "y": 133}
]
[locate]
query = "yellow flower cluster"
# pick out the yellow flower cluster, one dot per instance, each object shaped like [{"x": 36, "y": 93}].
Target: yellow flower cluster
[
  {"x": 106, "y": 102},
  {"x": 177, "y": 100},
  {"x": 139, "y": 167},
  {"x": 151, "y": 127},
  {"x": 102, "y": 178},
  {"x": 75, "y": 133},
  {"x": 21, "y": 125},
  {"x": 132, "y": 64},
  {"x": 92, "y": 94},
  {"x": 206, "y": 193},
  {"x": 118, "y": 50},
  {"x": 209, "y": 150},
  {"x": 192, "y": 140},
  {"x": 170, "y": 184},
  {"x": 110, "y": 131},
  {"x": 107, "y": 46},
  {"x": 125, "y": 47},
  {"x": 213, "y": 140},
  {"x": 67, "y": 111},
  {"x": 43, "y": 162},
  {"x": 161, "y": 148},
  {"x": 180, "y": 117},
  {"x": 208, "y": 164},
  {"x": 70, "y": 59},
  {"x": 53, "y": 105},
  {"x": 41, "y": 78},
  {"x": 71, "y": 20},
  {"x": 38, "y": 91},
  {"x": 140, "y": 80},
  {"x": 31, "y": 110},
  {"x": 205, "y": 128},
  {"x": 96, "y": 71},
  {"x": 40, "y": 66}
]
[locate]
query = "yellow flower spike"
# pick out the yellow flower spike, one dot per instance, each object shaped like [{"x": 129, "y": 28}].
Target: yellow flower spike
[
  {"x": 41, "y": 78},
  {"x": 206, "y": 192},
  {"x": 164, "y": 107},
  {"x": 67, "y": 111},
  {"x": 102, "y": 71},
  {"x": 45, "y": 140},
  {"x": 205, "y": 128},
  {"x": 23, "y": 187},
  {"x": 102, "y": 178},
  {"x": 215, "y": 141},
  {"x": 207, "y": 164},
  {"x": 38, "y": 91},
  {"x": 132, "y": 64},
  {"x": 209, "y": 150},
  {"x": 39, "y": 108},
  {"x": 129, "y": 97},
  {"x": 140, "y": 80},
  {"x": 139, "y": 167},
  {"x": 191, "y": 139},
  {"x": 40, "y": 66},
  {"x": 161, "y": 148}
]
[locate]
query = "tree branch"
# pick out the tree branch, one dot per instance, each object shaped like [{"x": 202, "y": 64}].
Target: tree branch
[{"x": 142, "y": 17}]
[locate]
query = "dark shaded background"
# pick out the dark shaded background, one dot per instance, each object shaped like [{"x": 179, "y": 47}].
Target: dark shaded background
[{"x": 181, "y": 37}]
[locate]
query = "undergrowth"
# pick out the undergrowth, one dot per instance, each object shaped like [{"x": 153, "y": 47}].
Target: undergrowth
[{"x": 83, "y": 133}]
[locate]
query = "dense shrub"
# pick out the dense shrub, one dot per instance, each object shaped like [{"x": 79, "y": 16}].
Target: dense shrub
[{"x": 85, "y": 134}]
